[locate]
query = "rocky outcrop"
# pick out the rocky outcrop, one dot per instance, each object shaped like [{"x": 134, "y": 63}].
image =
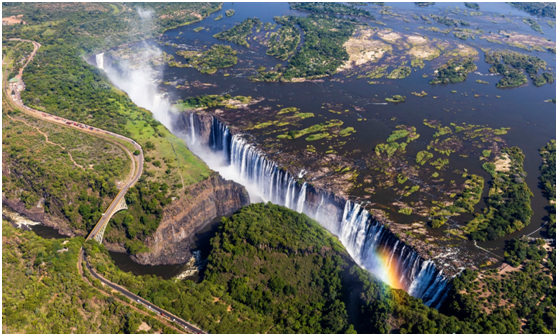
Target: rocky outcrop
[
  {"x": 38, "y": 214},
  {"x": 204, "y": 201}
]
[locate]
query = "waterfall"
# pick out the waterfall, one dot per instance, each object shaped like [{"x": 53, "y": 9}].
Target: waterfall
[
  {"x": 301, "y": 199},
  {"x": 100, "y": 59},
  {"x": 371, "y": 245}
]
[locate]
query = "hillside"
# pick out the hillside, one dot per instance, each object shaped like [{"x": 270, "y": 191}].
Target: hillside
[
  {"x": 59, "y": 81},
  {"x": 47, "y": 295},
  {"x": 273, "y": 270}
]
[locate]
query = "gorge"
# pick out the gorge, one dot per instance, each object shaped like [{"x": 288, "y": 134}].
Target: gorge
[{"x": 369, "y": 241}]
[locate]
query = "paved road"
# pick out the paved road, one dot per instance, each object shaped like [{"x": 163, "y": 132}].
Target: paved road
[
  {"x": 187, "y": 326},
  {"x": 136, "y": 159}
]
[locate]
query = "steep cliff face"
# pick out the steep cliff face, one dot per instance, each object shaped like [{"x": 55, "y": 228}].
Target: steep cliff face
[
  {"x": 38, "y": 214},
  {"x": 214, "y": 197}
]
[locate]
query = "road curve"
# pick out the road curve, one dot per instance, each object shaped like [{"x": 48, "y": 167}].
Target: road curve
[
  {"x": 173, "y": 318},
  {"x": 137, "y": 160}
]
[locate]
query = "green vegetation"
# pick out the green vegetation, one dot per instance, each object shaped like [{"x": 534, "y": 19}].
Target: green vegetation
[
  {"x": 516, "y": 301},
  {"x": 472, "y": 5},
  {"x": 420, "y": 94},
  {"x": 239, "y": 32},
  {"x": 534, "y": 25},
  {"x": 294, "y": 134},
  {"x": 424, "y": 4},
  {"x": 509, "y": 199},
  {"x": 218, "y": 18},
  {"x": 43, "y": 292},
  {"x": 283, "y": 43},
  {"x": 59, "y": 81},
  {"x": 229, "y": 12},
  {"x": 511, "y": 65},
  {"x": 199, "y": 29},
  {"x": 454, "y": 71},
  {"x": 45, "y": 174},
  {"x": 331, "y": 8},
  {"x": 399, "y": 72},
  {"x": 217, "y": 57},
  {"x": 449, "y": 21},
  {"x": 471, "y": 194},
  {"x": 207, "y": 101},
  {"x": 547, "y": 9},
  {"x": 396, "y": 99},
  {"x": 423, "y": 156},
  {"x": 548, "y": 179},
  {"x": 322, "y": 52}
]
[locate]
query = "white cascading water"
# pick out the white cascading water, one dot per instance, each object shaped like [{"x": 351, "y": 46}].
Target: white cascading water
[
  {"x": 100, "y": 59},
  {"x": 371, "y": 245}
]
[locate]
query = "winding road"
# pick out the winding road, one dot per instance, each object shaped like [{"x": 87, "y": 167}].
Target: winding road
[
  {"x": 137, "y": 160},
  {"x": 137, "y": 170}
]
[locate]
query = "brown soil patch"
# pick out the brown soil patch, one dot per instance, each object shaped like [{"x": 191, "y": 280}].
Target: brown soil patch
[
  {"x": 424, "y": 52},
  {"x": 415, "y": 39},
  {"x": 363, "y": 49},
  {"x": 144, "y": 326},
  {"x": 513, "y": 37},
  {"x": 389, "y": 36},
  {"x": 503, "y": 165},
  {"x": 14, "y": 19}
]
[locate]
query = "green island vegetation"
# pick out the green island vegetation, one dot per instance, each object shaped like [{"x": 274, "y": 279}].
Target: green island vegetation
[
  {"x": 423, "y": 156},
  {"x": 509, "y": 301},
  {"x": 448, "y": 21},
  {"x": 217, "y": 57},
  {"x": 396, "y": 99},
  {"x": 286, "y": 116},
  {"x": 294, "y": 134},
  {"x": 43, "y": 292},
  {"x": 509, "y": 198},
  {"x": 199, "y": 29},
  {"x": 534, "y": 25},
  {"x": 322, "y": 52},
  {"x": 218, "y": 18},
  {"x": 546, "y": 9},
  {"x": 402, "y": 131},
  {"x": 480, "y": 81},
  {"x": 229, "y": 12},
  {"x": 454, "y": 71},
  {"x": 471, "y": 194},
  {"x": 472, "y": 5},
  {"x": 512, "y": 64},
  {"x": 207, "y": 101},
  {"x": 400, "y": 73},
  {"x": 283, "y": 43},
  {"x": 552, "y": 24},
  {"x": 277, "y": 271},
  {"x": 59, "y": 81},
  {"x": 424, "y": 4},
  {"x": 239, "y": 32},
  {"x": 420, "y": 94},
  {"x": 548, "y": 179},
  {"x": 331, "y": 8}
]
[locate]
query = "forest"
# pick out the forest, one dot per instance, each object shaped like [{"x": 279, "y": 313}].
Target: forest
[
  {"x": 448, "y": 73},
  {"x": 239, "y": 32},
  {"x": 217, "y": 57},
  {"x": 59, "y": 81},
  {"x": 547, "y": 9},
  {"x": 514, "y": 301},
  {"x": 512, "y": 64},
  {"x": 47, "y": 295},
  {"x": 509, "y": 199},
  {"x": 331, "y": 8},
  {"x": 548, "y": 179},
  {"x": 283, "y": 43}
]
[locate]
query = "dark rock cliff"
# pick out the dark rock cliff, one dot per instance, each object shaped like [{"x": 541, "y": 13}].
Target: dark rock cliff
[{"x": 205, "y": 201}]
